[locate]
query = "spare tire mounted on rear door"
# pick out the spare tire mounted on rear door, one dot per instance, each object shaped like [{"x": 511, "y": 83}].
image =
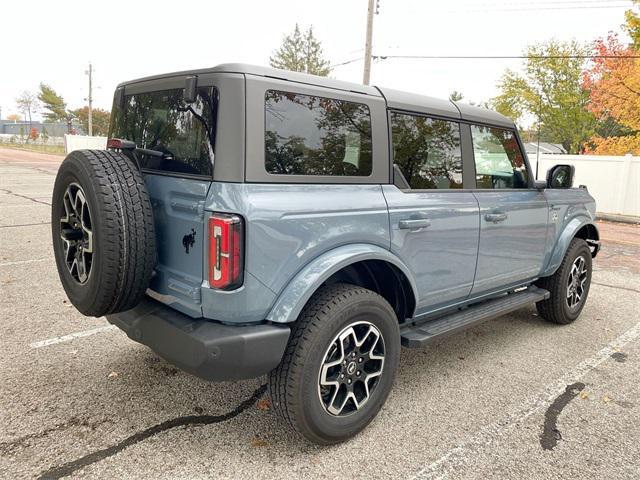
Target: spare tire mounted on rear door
[{"x": 103, "y": 231}]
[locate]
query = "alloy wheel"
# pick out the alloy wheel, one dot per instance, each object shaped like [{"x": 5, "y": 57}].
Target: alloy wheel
[
  {"x": 576, "y": 282},
  {"x": 76, "y": 233},
  {"x": 351, "y": 369}
]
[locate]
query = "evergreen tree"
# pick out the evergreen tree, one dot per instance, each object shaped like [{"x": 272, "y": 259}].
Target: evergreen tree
[{"x": 301, "y": 53}]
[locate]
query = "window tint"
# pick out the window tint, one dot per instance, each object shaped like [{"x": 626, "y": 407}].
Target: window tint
[
  {"x": 162, "y": 121},
  {"x": 427, "y": 151},
  {"x": 309, "y": 135},
  {"x": 499, "y": 160}
]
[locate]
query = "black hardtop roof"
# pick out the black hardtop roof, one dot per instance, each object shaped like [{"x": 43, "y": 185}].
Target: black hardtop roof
[{"x": 395, "y": 99}]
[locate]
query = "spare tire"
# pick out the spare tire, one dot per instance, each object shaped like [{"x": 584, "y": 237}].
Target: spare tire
[{"x": 103, "y": 231}]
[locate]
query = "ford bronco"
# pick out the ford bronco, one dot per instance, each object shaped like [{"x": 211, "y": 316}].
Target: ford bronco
[{"x": 245, "y": 221}]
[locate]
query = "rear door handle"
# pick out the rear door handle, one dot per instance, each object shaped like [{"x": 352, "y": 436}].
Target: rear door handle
[
  {"x": 414, "y": 223},
  {"x": 495, "y": 217}
]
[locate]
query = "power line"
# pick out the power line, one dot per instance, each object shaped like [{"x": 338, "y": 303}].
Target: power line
[{"x": 500, "y": 57}]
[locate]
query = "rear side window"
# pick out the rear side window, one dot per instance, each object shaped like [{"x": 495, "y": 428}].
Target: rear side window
[
  {"x": 310, "y": 135},
  {"x": 427, "y": 151},
  {"x": 162, "y": 121},
  {"x": 499, "y": 160}
]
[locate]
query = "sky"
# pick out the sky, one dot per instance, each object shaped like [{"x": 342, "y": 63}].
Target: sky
[{"x": 55, "y": 41}]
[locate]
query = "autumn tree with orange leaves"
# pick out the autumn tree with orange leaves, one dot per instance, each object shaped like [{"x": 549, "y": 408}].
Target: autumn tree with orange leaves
[{"x": 613, "y": 82}]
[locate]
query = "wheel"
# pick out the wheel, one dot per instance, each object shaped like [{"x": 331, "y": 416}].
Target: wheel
[
  {"x": 339, "y": 365},
  {"x": 103, "y": 231},
  {"x": 569, "y": 285}
]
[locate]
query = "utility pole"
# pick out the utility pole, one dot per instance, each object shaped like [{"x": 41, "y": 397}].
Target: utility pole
[
  {"x": 90, "y": 99},
  {"x": 367, "y": 46}
]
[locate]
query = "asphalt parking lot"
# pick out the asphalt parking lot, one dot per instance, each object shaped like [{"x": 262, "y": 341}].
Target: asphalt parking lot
[{"x": 513, "y": 398}]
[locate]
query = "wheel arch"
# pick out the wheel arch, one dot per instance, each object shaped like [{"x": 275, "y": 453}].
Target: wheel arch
[
  {"x": 576, "y": 228},
  {"x": 364, "y": 265}
]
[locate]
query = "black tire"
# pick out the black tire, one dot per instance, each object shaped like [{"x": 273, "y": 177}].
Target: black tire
[
  {"x": 120, "y": 234},
  {"x": 556, "y": 308},
  {"x": 294, "y": 386}
]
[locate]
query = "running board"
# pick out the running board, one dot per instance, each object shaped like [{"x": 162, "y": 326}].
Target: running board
[{"x": 414, "y": 336}]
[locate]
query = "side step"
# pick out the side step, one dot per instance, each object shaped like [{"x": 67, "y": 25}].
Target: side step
[{"x": 414, "y": 336}]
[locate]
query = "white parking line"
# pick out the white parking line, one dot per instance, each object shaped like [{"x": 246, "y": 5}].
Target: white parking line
[
  {"x": 71, "y": 336},
  {"x": 466, "y": 452},
  {"x": 20, "y": 262}
]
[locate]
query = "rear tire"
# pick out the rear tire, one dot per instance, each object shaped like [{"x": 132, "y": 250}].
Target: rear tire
[
  {"x": 303, "y": 387},
  {"x": 568, "y": 286},
  {"x": 103, "y": 231}
]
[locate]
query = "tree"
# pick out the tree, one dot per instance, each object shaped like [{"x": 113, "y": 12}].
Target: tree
[
  {"x": 456, "y": 96},
  {"x": 14, "y": 117},
  {"x": 28, "y": 104},
  {"x": 100, "y": 120},
  {"x": 55, "y": 106},
  {"x": 633, "y": 25},
  {"x": 301, "y": 53},
  {"x": 551, "y": 90},
  {"x": 613, "y": 81}
]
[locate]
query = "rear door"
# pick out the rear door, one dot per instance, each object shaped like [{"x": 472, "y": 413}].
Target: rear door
[
  {"x": 155, "y": 116},
  {"x": 434, "y": 222},
  {"x": 513, "y": 215}
]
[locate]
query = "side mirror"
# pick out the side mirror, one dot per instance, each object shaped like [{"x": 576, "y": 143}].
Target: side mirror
[
  {"x": 560, "y": 176},
  {"x": 190, "y": 89}
]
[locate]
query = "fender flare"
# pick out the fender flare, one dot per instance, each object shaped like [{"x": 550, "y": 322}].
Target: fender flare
[
  {"x": 294, "y": 297},
  {"x": 562, "y": 244}
]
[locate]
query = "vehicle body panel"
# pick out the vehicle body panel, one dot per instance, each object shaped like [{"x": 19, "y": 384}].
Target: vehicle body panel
[
  {"x": 308, "y": 280},
  {"x": 288, "y": 226},
  {"x": 570, "y": 210},
  {"x": 511, "y": 250},
  {"x": 442, "y": 256}
]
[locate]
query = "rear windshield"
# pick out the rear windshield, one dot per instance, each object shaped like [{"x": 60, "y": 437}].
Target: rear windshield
[{"x": 163, "y": 121}]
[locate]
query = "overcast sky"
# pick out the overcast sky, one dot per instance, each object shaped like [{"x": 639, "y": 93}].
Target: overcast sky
[{"x": 53, "y": 41}]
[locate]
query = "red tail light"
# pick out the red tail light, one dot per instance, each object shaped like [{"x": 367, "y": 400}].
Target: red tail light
[{"x": 225, "y": 251}]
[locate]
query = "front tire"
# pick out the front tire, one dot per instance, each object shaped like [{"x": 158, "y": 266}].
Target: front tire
[
  {"x": 339, "y": 365},
  {"x": 569, "y": 285}
]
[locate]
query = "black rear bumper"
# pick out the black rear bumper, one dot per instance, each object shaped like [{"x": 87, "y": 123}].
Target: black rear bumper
[{"x": 201, "y": 347}]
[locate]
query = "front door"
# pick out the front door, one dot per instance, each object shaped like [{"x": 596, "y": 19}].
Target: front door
[
  {"x": 513, "y": 216},
  {"x": 434, "y": 224}
]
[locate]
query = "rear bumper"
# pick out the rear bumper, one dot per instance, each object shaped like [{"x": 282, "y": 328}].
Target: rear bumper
[{"x": 201, "y": 347}]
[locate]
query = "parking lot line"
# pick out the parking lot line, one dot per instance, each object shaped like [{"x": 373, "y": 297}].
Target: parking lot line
[
  {"x": 71, "y": 336},
  {"x": 20, "y": 262},
  {"x": 466, "y": 452}
]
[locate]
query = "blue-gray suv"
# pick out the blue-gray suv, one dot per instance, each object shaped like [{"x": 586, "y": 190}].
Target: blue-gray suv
[{"x": 247, "y": 221}]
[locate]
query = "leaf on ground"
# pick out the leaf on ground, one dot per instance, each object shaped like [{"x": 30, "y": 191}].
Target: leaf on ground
[
  {"x": 606, "y": 399},
  {"x": 259, "y": 442},
  {"x": 584, "y": 395},
  {"x": 263, "y": 404},
  {"x": 112, "y": 375}
]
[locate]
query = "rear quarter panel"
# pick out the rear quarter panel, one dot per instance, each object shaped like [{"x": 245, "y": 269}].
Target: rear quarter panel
[{"x": 288, "y": 226}]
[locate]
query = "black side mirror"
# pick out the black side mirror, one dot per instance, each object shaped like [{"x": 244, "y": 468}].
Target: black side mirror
[
  {"x": 560, "y": 176},
  {"x": 190, "y": 89}
]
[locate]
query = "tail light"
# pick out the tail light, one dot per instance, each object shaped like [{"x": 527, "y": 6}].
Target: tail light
[{"x": 225, "y": 251}]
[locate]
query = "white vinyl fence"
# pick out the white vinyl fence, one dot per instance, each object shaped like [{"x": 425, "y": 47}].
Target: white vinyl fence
[
  {"x": 613, "y": 181},
  {"x": 80, "y": 142}
]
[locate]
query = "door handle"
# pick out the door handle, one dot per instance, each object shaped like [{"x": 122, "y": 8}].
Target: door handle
[
  {"x": 495, "y": 217},
  {"x": 414, "y": 223}
]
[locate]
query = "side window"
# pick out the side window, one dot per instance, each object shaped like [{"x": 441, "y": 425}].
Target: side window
[
  {"x": 427, "y": 151},
  {"x": 499, "y": 160},
  {"x": 310, "y": 135}
]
